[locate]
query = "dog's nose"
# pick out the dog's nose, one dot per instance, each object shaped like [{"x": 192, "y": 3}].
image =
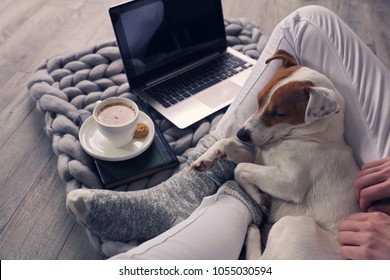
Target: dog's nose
[{"x": 244, "y": 135}]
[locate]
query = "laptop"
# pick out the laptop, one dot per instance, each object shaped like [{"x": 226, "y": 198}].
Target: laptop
[{"x": 176, "y": 57}]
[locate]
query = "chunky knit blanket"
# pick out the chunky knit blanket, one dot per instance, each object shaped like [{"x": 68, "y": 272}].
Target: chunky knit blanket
[{"x": 66, "y": 86}]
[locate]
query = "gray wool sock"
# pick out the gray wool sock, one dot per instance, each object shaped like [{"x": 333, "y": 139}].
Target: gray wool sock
[
  {"x": 144, "y": 214},
  {"x": 234, "y": 189}
]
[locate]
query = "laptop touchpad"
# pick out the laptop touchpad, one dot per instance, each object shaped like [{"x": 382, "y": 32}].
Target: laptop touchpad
[{"x": 216, "y": 96}]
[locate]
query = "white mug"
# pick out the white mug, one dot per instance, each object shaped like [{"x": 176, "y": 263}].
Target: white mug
[{"x": 116, "y": 119}]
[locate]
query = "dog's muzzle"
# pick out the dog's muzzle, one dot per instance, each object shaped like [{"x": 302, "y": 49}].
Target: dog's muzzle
[{"x": 244, "y": 135}]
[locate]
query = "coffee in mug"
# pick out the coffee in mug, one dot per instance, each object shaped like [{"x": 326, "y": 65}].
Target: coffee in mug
[
  {"x": 116, "y": 119},
  {"x": 116, "y": 114}
]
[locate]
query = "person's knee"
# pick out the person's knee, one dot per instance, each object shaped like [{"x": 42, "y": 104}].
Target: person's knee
[{"x": 313, "y": 11}]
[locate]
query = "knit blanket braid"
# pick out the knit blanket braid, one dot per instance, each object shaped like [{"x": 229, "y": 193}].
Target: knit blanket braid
[{"x": 66, "y": 86}]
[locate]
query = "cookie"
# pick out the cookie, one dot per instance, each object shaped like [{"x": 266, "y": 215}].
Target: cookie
[{"x": 141, "y": 130}]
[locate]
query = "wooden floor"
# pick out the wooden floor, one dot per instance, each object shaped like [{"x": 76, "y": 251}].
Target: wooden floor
[{"x": 34, "y": 223}]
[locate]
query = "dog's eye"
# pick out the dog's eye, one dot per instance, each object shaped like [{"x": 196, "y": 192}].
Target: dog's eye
[{"x": 279, "y": 114}]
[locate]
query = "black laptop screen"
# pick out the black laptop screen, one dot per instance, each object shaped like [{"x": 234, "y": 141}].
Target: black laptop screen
[{"x": 156, "y": 37}]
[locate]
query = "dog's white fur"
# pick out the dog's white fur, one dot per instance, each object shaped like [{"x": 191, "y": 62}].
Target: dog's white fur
[{"x": 306, "y": 168}]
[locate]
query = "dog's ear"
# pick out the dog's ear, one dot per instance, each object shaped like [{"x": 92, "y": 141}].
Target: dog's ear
[
  {"x": 287, "y": 59},
  {"x": 322, "y": 103}
]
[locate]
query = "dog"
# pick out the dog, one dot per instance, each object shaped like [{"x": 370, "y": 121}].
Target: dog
[{"x": 292, "y": 151}]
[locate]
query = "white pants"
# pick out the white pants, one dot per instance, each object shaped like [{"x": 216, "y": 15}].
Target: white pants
[{"x": 319, "y": 40}]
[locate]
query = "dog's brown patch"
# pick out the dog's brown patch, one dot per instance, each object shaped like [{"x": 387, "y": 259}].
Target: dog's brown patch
[
  {"x": 289, "y": 65},
  {"x": 287, "y": 59},
  {"x": 288, "y": 104},
  {"x": 281, "y": 74}
]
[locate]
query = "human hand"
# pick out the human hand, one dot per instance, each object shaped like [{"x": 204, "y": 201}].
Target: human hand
[
  {"x": 365, "y": 236},
  {"x": 372, "y": 186}
]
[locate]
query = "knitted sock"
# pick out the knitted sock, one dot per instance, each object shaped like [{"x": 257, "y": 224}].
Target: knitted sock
[
  {"x": 233, "y": 188},
  {"x": 142, "y": 215}
]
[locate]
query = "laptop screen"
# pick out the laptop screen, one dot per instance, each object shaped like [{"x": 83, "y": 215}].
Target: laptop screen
[{"x": 155, "y": 37}]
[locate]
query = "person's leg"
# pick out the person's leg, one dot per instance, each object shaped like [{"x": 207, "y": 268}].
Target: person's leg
[
  {"x": 215, "y": 230},
  {"x": 322, "y": 41},
  {"x": 144, "y": 214}
]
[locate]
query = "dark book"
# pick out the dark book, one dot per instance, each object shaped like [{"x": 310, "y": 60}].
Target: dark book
[{"x": 159, "y": 156}]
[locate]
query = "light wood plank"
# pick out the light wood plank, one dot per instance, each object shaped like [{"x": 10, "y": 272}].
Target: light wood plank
[
  {"x": 41, "y": 224},
  {"x": 78, "y": 246},
  {"x": 15, "y": 105},
  {"x": 13, "y": 14},
  {"x": 77, "y": 32},
  {"x": 23, "y": 157},
  {"x": 22, "y": 47}
]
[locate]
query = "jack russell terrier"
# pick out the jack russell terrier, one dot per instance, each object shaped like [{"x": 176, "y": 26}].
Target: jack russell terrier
[{"x": 292, "y": 152}]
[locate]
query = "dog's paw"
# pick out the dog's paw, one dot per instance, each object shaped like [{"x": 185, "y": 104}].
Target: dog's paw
[
  {"x": 252, "y": 234},
  {"x": 201, "y": 165},
  {"x": 207, "y": 160},
  {"x": 252, "y": 243}
]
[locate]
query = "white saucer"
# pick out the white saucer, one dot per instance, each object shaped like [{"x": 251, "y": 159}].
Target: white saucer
[{"x": 96, "y": 145}]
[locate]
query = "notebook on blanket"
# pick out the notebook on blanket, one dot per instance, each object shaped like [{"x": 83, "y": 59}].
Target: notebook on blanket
[
  {"x": 176, "y": 57},
  {"x": 158, "y": 157}
]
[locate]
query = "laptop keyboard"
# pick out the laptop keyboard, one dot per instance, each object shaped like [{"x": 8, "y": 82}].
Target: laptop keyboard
[{"x": 195, "y": 80}]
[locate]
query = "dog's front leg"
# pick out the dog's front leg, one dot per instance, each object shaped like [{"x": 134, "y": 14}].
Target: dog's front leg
[
  {"x": 224, "y": 148},
  {"x": 274, "y": 180}
]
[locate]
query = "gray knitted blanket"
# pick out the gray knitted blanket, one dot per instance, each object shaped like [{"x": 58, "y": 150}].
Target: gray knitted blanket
[{"x": 66, "y": 86}]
